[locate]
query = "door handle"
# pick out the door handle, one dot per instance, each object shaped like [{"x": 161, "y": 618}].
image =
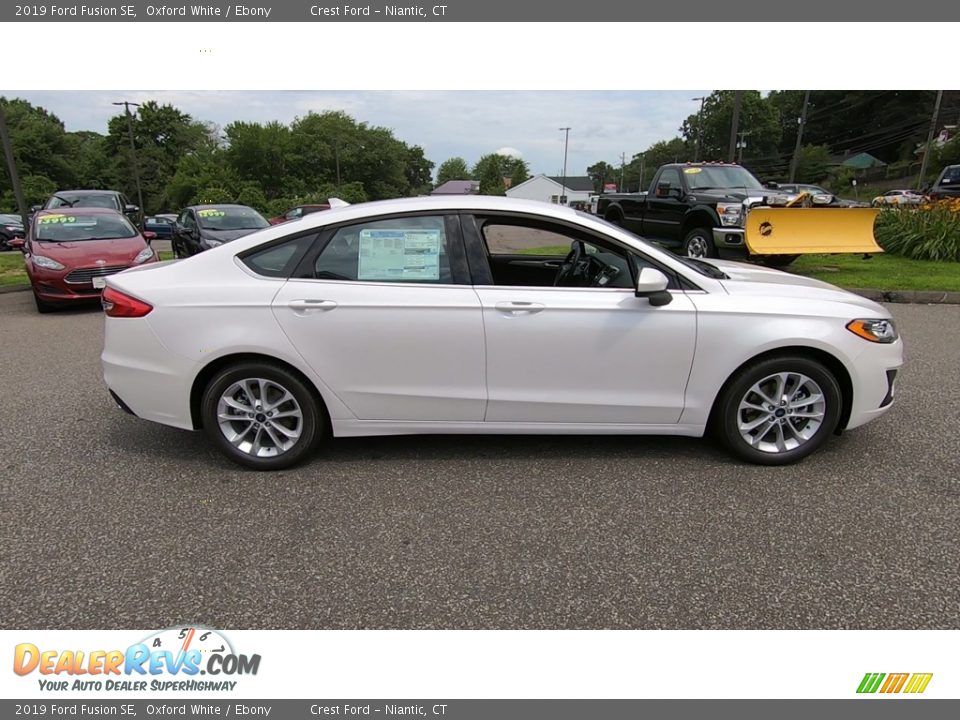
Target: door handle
[
  {"x": 513, "y": 307},
  {"x": 312, "y": 304}
]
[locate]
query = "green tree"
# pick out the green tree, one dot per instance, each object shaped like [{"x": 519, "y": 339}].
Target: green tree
[
  {"x": 40, "y": 149},
  {"x": 813, "y": 163},
  {"x": 494, "y": 170},
  {"x": 601, "y": 173},
  {"x": 453, "y": 169},
  {"x": 758, "y": 118},
  {"x": 263, "y": 153},
  {"x": 212, "y": 196}
]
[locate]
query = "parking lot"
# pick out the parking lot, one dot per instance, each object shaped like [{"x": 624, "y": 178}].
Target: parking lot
[{"x": 107, "y": 521}]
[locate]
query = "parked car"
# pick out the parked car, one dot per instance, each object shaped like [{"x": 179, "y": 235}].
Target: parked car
[
  {"x": 11, "y": 226},
  {"x": 160, "y": 225},
  {"x": 69, "y": 254},
  {"x": 899, "y": 198},
  {"x": 298, "y": 212},
  {"x": 947, "y": 184},
  {"x": 818, "y": 191},
  {"x": 72, "y": 199},
  {"x": 479, "y": 314},
  {"x": 201, "y": 227}
]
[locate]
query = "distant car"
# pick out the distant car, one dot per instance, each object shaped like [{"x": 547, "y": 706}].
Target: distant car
[
  {"x": 69, "y": 253},
  {"x": 11, "y": 226},
  {"x": 947, "y": 185},
  {"x": 899, "y": 197},
  {"x": 161, "y": 225},
  {"x": 816, "y": 190},
  {"x": 201, "y": 227},
  {"x": 72, "y": 199},
  {"x": 298, "y": 212}
]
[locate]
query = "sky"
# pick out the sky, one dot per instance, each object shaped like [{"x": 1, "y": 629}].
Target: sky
[{"x": 445, "y": 123}]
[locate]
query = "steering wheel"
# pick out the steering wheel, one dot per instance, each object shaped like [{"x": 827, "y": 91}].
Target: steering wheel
[{"x": 570, "y": 263}]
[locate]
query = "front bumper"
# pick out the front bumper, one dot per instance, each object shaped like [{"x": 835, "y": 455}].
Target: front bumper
[
  {"x": 874, "y": 384},
  {"x": 729, "y": 237}
]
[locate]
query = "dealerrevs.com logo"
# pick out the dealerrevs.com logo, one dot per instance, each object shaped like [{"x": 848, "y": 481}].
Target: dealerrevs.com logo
[
  {"x": 909, "y": 683},
  {"x": 171, "y": 659}
]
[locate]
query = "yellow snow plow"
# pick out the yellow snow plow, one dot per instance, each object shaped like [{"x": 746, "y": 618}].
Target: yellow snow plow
[{"x": 809, "y": 230}]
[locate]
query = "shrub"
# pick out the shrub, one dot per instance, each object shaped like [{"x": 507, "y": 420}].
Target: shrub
[
  {"x": 212, "y": 196},
  {"x": 930, "y": 232}
]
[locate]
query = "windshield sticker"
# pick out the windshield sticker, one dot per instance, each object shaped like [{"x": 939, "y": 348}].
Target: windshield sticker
[
  {"x": 211, "y": 213},
  {"x": 692, "y": 171},
  {"x": 399, "y": 255},
  {"x": 57, "y": 219}
]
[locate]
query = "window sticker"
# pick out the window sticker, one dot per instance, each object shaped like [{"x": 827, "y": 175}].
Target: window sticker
[
  {"x": 399, "y": 255},
  {"x": 692, "y": 170},
  {"x": 57, "y": 219},
  {"x": 211, "y": 213}
]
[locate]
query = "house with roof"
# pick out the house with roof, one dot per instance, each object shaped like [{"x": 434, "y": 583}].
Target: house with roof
[
  {"x": 457, "y": 187},
  {"x": 546, "y": 188}
]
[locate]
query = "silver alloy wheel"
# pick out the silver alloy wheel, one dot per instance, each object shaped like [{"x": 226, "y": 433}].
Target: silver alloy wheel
[
  {"x": 697, "y": 247},
  {"x": 260, "y": 417},
  {"x": 781, "y": 412}
]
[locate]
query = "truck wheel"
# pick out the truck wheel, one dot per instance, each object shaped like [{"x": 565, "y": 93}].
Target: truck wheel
[
  {"x": 699, "y": 244},
  {"x": 615, "y": 217}
]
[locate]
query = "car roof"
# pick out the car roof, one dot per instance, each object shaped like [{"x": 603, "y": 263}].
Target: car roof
[
  {"x": 87, "y": 192},
  {"x": 79, "y": 211},
  {"x": 217, "y": 206}
]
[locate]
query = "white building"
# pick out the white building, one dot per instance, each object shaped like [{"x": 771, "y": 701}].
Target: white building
[{"x": 550, "y": 189}]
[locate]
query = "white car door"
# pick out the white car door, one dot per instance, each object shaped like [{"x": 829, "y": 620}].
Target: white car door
[
  {"x": 389, "y": 322},
  {"x": 577, "y": 354}
]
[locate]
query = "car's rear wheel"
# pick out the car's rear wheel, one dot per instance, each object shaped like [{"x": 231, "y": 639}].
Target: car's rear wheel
[
  {"x": 262, "y": 416},
  {"x": 699, "y": 244},
  {"x": 779, "y": 410}
]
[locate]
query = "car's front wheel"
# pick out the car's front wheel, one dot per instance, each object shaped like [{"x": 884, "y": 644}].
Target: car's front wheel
[
  {"x": 699, "y": 244},
  {"x": 779, "y": 410},
  {"x": 262, "y": 416}
]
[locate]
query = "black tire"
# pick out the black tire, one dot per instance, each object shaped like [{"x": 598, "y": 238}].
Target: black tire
[
  {"x": 312, "y": 426},
  {"x": 5, "y": 242},
  {"x": 42, "y": 305},
  {"x": 700, "y": 239},
  {"x": 726, "y": 415}
]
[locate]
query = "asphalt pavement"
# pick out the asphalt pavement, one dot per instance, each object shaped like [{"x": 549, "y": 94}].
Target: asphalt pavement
[{"x": 107, "y": 521}]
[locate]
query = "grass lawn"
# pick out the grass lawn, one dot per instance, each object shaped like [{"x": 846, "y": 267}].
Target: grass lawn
[
  {"x": 882, "y": 272},
  {"x": 11, "y": 269}
]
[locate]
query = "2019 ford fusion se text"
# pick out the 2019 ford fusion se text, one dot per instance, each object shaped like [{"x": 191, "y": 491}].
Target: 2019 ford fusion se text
[{"x": 487, "y": 315}]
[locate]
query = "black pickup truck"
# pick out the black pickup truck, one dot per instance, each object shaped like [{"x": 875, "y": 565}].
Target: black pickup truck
[{"x": 694, "y": 208}]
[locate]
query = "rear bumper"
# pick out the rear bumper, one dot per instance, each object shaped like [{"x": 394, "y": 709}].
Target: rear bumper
[{"x": 153, "y": 382}]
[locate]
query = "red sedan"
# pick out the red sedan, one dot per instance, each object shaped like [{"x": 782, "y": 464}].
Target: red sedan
[{"x": 69, "y": 253}]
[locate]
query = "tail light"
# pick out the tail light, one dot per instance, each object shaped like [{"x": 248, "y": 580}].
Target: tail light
[{"x": 118, "y": 304}]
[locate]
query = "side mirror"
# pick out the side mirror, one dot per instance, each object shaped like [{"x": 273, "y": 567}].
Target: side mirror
[
  {"x": 34, "y": 208},
  {"x": 149, "y": 236},
  {"x": 663, "y": 189},
  {"x": 652, "y": 284},
  {"x": 18, "y": 244}
]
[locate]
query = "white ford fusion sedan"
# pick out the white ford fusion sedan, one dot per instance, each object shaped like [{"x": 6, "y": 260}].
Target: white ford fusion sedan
[{"x": 487, "y": 315}]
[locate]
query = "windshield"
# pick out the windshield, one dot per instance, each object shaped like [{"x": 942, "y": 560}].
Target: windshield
[
  {"x": 76, "y": 201},
  {"x": 10, "y": 220},
  {"x": 231, "y": 218},
  {"x": 951, "y": 176},
  {"x": 69, "y": 228},
  {"x": 702, "y": 177}
]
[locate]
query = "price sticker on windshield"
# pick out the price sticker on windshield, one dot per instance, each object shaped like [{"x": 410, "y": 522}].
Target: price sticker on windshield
[
  {"x": 57, "y": 219},
  {"x": 210, "y": 213},
  {"x": 692, "y": 171}
]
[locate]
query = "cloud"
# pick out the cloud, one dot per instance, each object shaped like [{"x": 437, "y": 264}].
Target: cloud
[{"x": 509, "y": 152}]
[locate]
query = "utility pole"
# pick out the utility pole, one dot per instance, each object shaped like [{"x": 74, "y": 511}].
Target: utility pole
[
  {"x": 933, "y": 129},
  {"x": 741, "y": 144},
  {"x": 642, "y": 159},
  {"x": 566, "y": 142},
  {"x": 801, "y": 122},
  {"x": 133, "y": 153},
  {"x": 698, "y": 148},
  {"x": 336, "y": 153},
  {"x": 12, "y": 169},
  {"x": 623, "y": 165},
  {"x": 734, "y": 124}
]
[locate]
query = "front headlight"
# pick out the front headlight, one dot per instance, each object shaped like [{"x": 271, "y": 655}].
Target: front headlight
[
  {"x": 878, "y": 331},
  {"x": 730, "y": 213},
  {"x": 143, "y": 256},
  {"x": 45, "y": 262}
]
